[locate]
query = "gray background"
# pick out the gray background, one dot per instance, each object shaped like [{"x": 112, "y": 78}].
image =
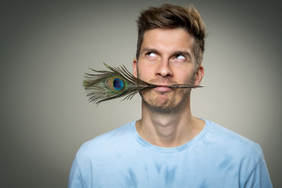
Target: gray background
[{"x": 46, "y": 47}]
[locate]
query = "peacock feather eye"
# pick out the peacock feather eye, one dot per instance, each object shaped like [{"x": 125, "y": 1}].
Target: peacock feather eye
[
  {"x": 118, "y": 84},
  {"x": 115, "y": 83}
]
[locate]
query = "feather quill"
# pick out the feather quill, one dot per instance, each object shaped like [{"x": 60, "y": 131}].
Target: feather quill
[{"x": 118, "y": 82}]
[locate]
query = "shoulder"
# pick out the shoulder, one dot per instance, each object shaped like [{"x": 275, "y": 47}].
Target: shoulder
[
  {"x": 235, "y": 153},
  {"x": 103, "y": 143},
  {"x": 232, "y": 142}
]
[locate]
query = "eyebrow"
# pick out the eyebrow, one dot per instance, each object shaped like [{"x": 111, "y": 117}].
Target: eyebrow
[
  {"x": 184, "y": 53},
  {"x": 149, "y": 50}
]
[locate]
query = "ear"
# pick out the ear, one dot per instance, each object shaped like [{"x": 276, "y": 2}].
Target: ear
[
  {"x": 134, "y": 67},
  {"x": 199, "y": 75}
]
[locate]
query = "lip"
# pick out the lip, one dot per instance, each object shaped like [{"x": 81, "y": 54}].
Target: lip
[{"x": 162, "y": 88}]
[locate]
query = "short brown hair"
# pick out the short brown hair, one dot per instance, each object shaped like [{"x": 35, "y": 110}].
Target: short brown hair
[{"x": 170, "y": 16}]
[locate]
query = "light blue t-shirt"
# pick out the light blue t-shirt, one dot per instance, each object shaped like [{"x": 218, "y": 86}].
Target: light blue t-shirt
[{"x": 216, "y": 157}]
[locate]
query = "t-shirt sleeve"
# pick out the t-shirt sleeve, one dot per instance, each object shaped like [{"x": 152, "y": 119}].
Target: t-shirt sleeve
[
  {"x": 259, "y": 177},
  {"x": 75, "y": 178}
]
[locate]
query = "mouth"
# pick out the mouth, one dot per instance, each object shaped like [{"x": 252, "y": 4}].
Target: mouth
[{"x": 162, "y": 88}]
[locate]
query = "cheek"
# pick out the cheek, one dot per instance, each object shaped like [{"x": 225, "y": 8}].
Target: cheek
[
  {"x": 143, "y": 72},
  {"x": 184, "y": 77}
]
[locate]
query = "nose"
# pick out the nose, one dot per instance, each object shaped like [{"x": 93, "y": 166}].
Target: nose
[{"x": 164, "y": 69}]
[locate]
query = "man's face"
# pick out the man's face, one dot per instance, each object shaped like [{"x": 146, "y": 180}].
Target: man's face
[{"x": 166, "y": 58}]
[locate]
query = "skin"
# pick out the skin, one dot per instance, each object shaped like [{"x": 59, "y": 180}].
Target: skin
[{"x": 166, "y": 58}]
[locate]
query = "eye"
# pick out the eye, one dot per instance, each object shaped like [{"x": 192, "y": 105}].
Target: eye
[
  {"x": 151, "y": 54},
  {"x": 180, "y": 57}
]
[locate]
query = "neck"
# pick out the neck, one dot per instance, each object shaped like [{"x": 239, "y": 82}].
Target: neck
[{"x": 168, "y": 129}]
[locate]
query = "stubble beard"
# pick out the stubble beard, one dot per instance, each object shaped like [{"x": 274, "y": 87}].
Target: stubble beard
[{"x": 169, "y": 106}]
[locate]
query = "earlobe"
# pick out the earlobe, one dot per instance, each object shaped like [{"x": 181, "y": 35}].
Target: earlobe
[
  {"x": 134, "y": 67},
  {"x": 199, "y": 75}
]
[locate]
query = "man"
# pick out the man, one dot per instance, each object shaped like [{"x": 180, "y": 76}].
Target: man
[{"x": 168, "y": 147}]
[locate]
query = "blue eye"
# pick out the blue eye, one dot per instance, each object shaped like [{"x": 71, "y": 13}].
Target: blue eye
[{"x": 118, "y": 84}]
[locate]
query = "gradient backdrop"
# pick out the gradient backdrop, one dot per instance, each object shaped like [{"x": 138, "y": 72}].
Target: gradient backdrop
[{"x": 46, "y": 47}]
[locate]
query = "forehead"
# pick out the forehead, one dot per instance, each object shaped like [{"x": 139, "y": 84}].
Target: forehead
[{"x": 168, "y": 40}]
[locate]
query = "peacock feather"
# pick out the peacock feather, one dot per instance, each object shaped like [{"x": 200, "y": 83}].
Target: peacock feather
[{"x": 118, "y": 82}]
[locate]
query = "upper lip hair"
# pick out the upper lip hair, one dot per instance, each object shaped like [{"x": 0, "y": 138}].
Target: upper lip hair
[{"x": 163, "y": 85}]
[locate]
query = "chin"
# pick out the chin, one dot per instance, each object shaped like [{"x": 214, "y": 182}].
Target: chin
[
  {"x": 164, "y": 107},
  {"x": 167, "y": 102}
]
